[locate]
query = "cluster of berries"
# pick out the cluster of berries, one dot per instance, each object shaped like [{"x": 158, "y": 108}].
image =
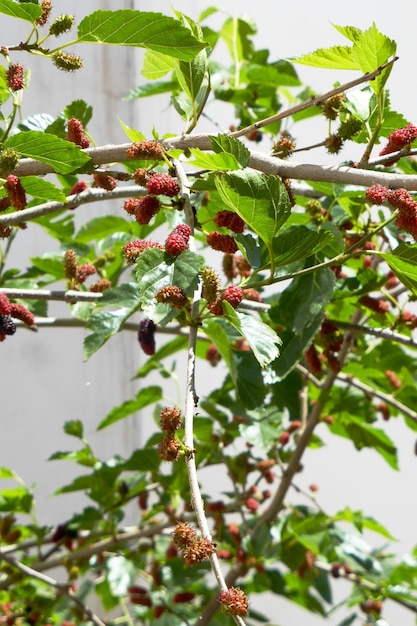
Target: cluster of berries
[
  {"x": 284, "y": 146},
  {"x": 232, "y": 294},
  {"x": 230, "y": 220},
  {"x": 330, "y": 107},
  {"x": 221, "y": 243},
  {"x": 104, "y": 181},
  {"x": 399, "y": 199},
  {"x": 254, "y": 497},
  {"x": 142, "y": 208},
  {"x": 13, "y": 310},
  {"x": 76, "y": 134},
  {"x": 15, "y": 192},
  {"x": 76, "y": 274},
  {"x": 170, "y": 420},
  {"x": 66, "y": 61},
  {"x": 133, "y": 249},
  {"x": 146, "y": 150},
  {"x": 61, "y": 24},
  {"x": 195, "y": 549},
  {"x": 399, "y": 139},
  {"x": 15, "y": 77},
  {"x": 235, "y": 265},
  {"x": 157, "y": 185},
  {"x": 173, "y": 295},
  {"x": 46, "y": 6},
  {"x": 234, "y": 601},
  {"x": 330, "y": 339},
  {"x": 378, "y": 306}
]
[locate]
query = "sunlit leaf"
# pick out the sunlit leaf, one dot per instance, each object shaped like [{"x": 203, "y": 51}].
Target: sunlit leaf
[
  {"x": 127, "y": 27},
  {"x": 63, "y": 156}
]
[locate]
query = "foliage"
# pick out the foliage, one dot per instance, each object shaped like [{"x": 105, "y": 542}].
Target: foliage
[{"x": 333, "y": 345}]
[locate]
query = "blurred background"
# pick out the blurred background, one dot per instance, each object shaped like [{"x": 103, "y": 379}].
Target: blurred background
[{"x": 44, "y": 380}]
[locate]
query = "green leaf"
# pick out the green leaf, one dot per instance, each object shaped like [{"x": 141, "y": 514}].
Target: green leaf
[
  {"x": 362, "y": 521},
  {"x": 226, "y": 143},
  {"x": 157, "y": 65},
  {"x": 236, "y": 33},
  {"x": 262, "y": 339},
  {"x": 156, "y": 269},
  {"x": 29, "y": 12},
  {"x": 363, "y": 435},
  {"x": 261, "y": 433},
  {"x": 79, "y": 109},
  {"x": 261, "y": 200},
  {"x": 334, "y": 58},
  {"x": 151, "y": 89},
  {"x": 372, "y": 49},
  {"x": 146, "y": 460},
  {"x": 42, "y": 189},
  {"x": 301, "y": 310},
  {"x": 7, "y": 473},
  {"x": 248, "y": 379},
  {"x": 216, "y": 332},
  {"x": 146, "y": 396},
  {"x": 299, "y": 242},
  {"x": 127, "y": 27},
  {"x": 102, "y": 227},
  {"x": 63, "y": 156},
  {"x": 74, "y": 428},
  {"x": 403, "y": 262},
  {"x": 191, "y": 74},
  {"x": 215, "y": 162},
  {"x": 104, "y": 324},
  {"x": 350, "y": 32}
]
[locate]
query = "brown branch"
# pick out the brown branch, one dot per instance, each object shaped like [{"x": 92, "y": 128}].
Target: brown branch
[
  {"x": 314, "y": 100},
  {"x": 73, "y": 201}
]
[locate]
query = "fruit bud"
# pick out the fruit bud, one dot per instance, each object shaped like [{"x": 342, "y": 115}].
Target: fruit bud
[
  {"x": 67, "y": 62},
  {"x": 61, "y": 24}
]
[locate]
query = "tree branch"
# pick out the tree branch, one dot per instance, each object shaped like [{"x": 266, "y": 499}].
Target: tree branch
[
  {"x": 314, "y": 100},
  {"x": 73, "y": 201},
  {"x": 385, "y": 397}
]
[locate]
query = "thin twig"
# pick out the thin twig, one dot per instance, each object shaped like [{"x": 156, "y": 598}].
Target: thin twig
[
  {"x": 69, "y": 295},
  {"x": 191, "y": 401},
  {"x": 73, "y": 201},
  {"x": 381, "y": 333},
  {"x": 314, "y": 100},
  {"x": 385, "y": 397}
]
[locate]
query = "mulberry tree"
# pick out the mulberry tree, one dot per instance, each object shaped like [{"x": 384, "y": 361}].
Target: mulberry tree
[{"x": 294, "y": 280}]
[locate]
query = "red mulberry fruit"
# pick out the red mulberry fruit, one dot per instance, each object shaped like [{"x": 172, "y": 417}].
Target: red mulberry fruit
[
  {"x": 221, "y": 243},
  {"x": 145, "y": 150},
  {"x": 15, "y": 77},
  {"x": 231, "y": 220},
  {"x": 234, "y": 601},
  {"x": 162, "y": 184},
  {"x": 177, "y": 241},
  {"x": 377, "y": 194},
  {"x": 15, "y": 192}
]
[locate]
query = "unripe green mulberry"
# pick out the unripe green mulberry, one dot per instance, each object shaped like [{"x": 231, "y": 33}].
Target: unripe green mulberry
[
  {"x": 67, "y": 62},
  {"x": 61, "y": 24},
  {"x": 9, "y": 158},
  {"x": 211, "y": 284}
]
